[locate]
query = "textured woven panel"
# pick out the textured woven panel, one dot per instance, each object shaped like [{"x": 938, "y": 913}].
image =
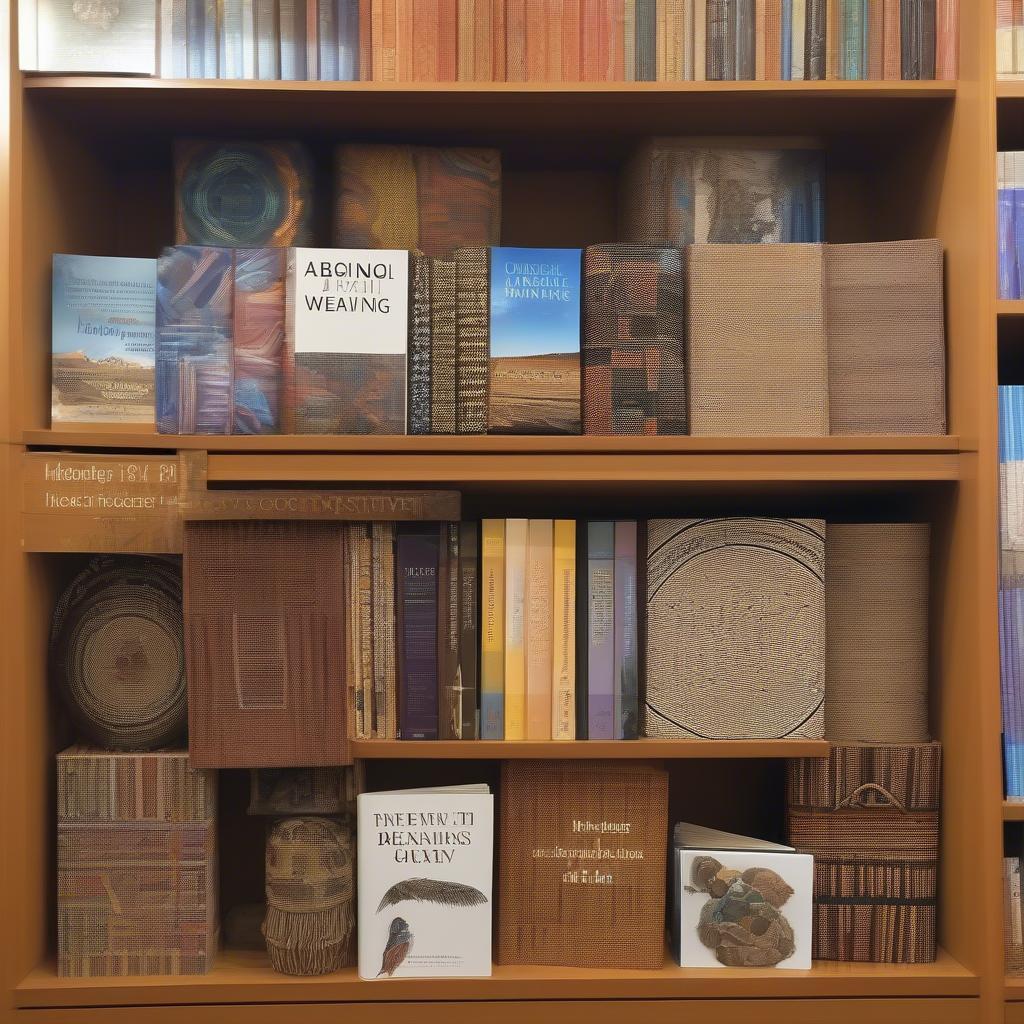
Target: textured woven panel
[
  {"x": 870, "y": 817},
  {"x": 757, "y": 368},
  {"x": 473, "y": 309},
  {"x": 677, "y": 192},
  {"x": 443, "y": 347},
  {"x": 735, "y": 628},
  {"x": 553, "y": 908},
  {"x": 194, "y": 314},
  {"x": 309, "y": 883},
  {"x": 259, "y": 340},
  {"x": 265, "y": 644},
  {"x": 136, "y": 899},
  {"x": 634, "y": 377},
  {"x": 886, "y": 338},
  {"x": 243, "y": 194},
  {"x": 419, "y": 346},
  {"x": 877, "y": 615},
  {"x": 116, "y": 652},
  {"x": 404, "y": 197},
  {"x": 97, "y": 785},
  {"x": 289, "y": 791}
]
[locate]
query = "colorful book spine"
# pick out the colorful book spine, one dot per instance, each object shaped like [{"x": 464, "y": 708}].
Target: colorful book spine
[
  {"x": 516, "y": 541},
  {"x": 365, "y": 40},
  {"x": 875, "y": 42},
  {"x": 426, "y": 47},
  {"x": 786, "y": 41},
  {"x": 492, "y": 629},
  {"x": 1008, "y": 282},
  {"x": 259, "y": 340},
  {"x": 449, "y": 725},
  {"x": 773, "y": 41},
  {"x": 539, "y": 623},
  {"x": 892, "y": 69},
  {"x": 1017, "y": 187},
  {"x": 448, "y": 55},
  {"x": 601, "y": 630},
  {"x": 700, "y": 38},
  {"x": 469, "y": 628},
  {"x": 833, "y": 35},
  {"x": 348, "y": 40},
  {"x": 563, "y": 631},
  {"x": 418, "y": 563}
]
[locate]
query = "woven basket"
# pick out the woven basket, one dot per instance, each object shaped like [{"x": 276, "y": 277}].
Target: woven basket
[{"x": 870, "y": 817}]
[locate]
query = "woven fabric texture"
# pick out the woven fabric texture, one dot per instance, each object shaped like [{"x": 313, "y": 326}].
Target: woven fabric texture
[
  {"x": 242, "y": 194},
  {"x": 870, "y": 817},
  {"x": 419, "y": 345},
  {"x": 634, "y": 378},
  {"x": 473, "y": 337},
  {"x": 877, "y": 632},
  {"x": 265, "y": 644},
  {"x": 757, "y": 368},
  {"x": 735, "y": 628},
  {"x": 552, "y": 907},
  {"x": 292, "y": 791},
  {"x": 116, "y": 652},
  {"x": 443, "y": 347},
  {"x": 309, "y": 884},
  {"x": 886, "y": 338}
]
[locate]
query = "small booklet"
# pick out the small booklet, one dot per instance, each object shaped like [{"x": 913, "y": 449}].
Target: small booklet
[
  {"x": 739, "y": 901},
  {"x": 425, "y": 892}
]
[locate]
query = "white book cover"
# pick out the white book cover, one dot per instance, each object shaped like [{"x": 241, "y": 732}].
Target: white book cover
[
  {"x": 425, "y": 886},
  {"x": 740, "y": 902},
  {"x": 101, "y": 36}
]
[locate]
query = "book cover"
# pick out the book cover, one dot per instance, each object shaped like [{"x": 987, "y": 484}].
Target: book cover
[
  {"x": 472, "y": 342},
  {"x": 96, "y": 38},
  {"x": 418, "y": 559},
  {"x": 492, "y": 629},
  {"x": 627, "y": 684},
  {"x": 563, "y": 631},
  {"x": 539, "y": 622},
  {"x": 516, "y": 539},
  {"x": 448, "y": 626},
  {"x": 535, "y": 341},
  {"x": 601, "y": 630},
  {"x": 347, "y": 328},
  {"x": 419, "y": 346},
  {"x": 103, "y": 340},
  {"x": 739, "y": 902},
  {"x": 425, "y": 882},
  {"x": 582, "y": 866},
  {"x": 469, "y": 628},
  {"x": 444, "y": 345}
]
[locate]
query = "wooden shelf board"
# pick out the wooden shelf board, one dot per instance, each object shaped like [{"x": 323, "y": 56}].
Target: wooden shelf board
[
  {"x": 246, "y": 977},
  {"x": 1010, "y": 89},
  {"x": 620, "y": 749},
  {"x": 1010, "y": 308},
  {"x": 1013, "y": 810},
  {"x": 1015, "y": 989}
]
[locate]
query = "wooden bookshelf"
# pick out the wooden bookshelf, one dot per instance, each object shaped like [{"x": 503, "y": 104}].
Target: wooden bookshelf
[
  {"x": 88, "y": 170},
  {"x": 1013, "y": 810}
]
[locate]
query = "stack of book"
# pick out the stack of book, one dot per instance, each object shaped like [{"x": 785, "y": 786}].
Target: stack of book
[{"x": 1010, "y": 185}]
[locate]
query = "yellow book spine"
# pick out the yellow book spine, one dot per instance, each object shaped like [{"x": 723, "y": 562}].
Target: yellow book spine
[
  {"x": 700, "y": 40},
  {"x": 540, "y": 553},
  {"x": 492, "y": 629},
  {"x": 515, "y": 628},
  {"x": 563, "y": 632}
]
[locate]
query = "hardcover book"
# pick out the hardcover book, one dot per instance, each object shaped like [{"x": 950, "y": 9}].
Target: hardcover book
[
  {"x": 492, "y": 629},
  {"x": 735, "y": 628},
  {"x": 418, "y": 596},
  {"x": 626, "y": 679},
  {"x": 444, "y": 347},
  {"x": 419, "y": 419},
  {"x": 515, "y": 638},
  {"x": 425, "y": 882},
  {"x": 582, "y": 866},
  {"x": 449, "y": 724},
  {"x": 563, "y": 632},
  {"x": 739, "y": 902},
  {"x": 385, "y": 638},
  {"x": 535, "y": 341},
  {"x": 347, "y": 330},
  {"x": 600, "y": 618},
  {"x": 103, "y": 340},
  {"x": 539, "y": 621}
]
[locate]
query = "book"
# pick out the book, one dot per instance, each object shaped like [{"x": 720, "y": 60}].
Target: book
[
  {"x": 539, "y": 625},
  {"x": 472, "y": 339},
  {"x": 582, "y": 866},
  {"x": 448, "y": 634},
  {"x": 563, "y": 631},
  {"x": 418, "y": 595},
  {"x": 268, "y": 45},
  {"x": 492, "y": 629},
  {"x": 419, "y": 346},
  {"x": 292, "y": 32},
  {"x": 814, "y": 47},
  {"x": 626, "y": 715},
  {"x": 1006, "y": 230},
  {"x": 173, "y": 36},
  {"x": 444, "y": 347},
  {"x": 102, "y": 340},
  {"x": 600, "y": 631},
  {"x": 535, "y": 341},
  {"x": 425, "y": 882},
  {"x": 347, "y": 331},
  {"x": 385, "y": 640},
  {"x": 735, "y": 637},
  {"x": 516, "y": 541},
  {"x": 469, "y": 629},
  {"x": 947, "y": 45},
  {"x": 739, "y": 901},
  {"x": 1012, "y": 901}
]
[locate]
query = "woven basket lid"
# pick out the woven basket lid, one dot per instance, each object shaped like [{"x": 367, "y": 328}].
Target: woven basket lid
[
  {"x": 309, "y": 865},
  {"x": 117, "y": 655}
]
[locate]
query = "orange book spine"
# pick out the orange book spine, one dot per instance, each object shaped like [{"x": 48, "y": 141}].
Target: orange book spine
[
  {"x": 773, "y": 41},
  {"x": 365, "y": 40},
  {"x": 536, "y": 41},
  {"x": 892, "y": 61},
  {"x": 832, "y": 36},
  {"x": 404, "y": 40},
  {"x": 448, "y": 48},
  {"x": 570, "y": 40},
  {"x": 515, "y": 40},
  {"x": 947, "y": 33},
  {"x": 499, "y": 41},
  {"x": 615, "y": 22},
  {"x": 483, "y": 51},
  {"x": 425, "y": 39},
  {"x": 388, "y": 41},
  {"x": 876, "y": 40},
  {"x": 591, "y": 16},
  {"x": 761, "y": 39},
  {"x": 553, "y": 41},
  {"x": 467, "y": 40}
]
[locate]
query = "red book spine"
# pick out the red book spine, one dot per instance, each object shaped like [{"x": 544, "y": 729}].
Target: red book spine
[
  {"x": 947, "y": 53},
  {"x": 365, "y": 40},
  {"x": 448, "y": 52},
  {"x": 570, "y": 40},
  {"x": 554, "y": 12},
  {"x": 484, "y": 28},
  {"x": 499, "y": 41},
  {"x": 536, "y": 41},
  {"x": 404, "y": 41},
  {"x": 426, "y": 40},
  {"x": 515, "y": 38},
  {"x": 591, "y": 15},
  {"x": 876, "y": 42},
  {"x": 892, "y": 68}
]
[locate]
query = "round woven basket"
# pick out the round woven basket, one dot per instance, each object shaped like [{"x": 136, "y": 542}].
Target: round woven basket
[{"x": 117, "y": 655}]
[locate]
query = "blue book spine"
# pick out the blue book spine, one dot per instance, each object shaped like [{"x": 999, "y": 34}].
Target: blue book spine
[
  {"x": 1017, "y": 246},
  {"x": 1008, "y": 288},
  {"x": 787, "y": 40}
]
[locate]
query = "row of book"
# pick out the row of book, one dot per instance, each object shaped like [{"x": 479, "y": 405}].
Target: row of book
[
  {"x": 1009, "y": 39},
  {"x": 615, "y": 339},
  {"x": 501, "y": 40},
  {"x": 1010, "y": 196}
]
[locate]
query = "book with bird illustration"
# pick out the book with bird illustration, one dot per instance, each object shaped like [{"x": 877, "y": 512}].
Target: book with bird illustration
[{"x": 425, "y": 892}]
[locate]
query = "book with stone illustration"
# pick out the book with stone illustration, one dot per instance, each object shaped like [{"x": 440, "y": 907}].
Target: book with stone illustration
[{"x": 425, "y": 882}]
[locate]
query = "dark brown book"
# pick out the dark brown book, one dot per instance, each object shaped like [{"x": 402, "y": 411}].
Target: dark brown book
[
  {"x": 469, "y": 626},
  {"x": 582, "y": 864},
  {"x": 449, "y": 711}
]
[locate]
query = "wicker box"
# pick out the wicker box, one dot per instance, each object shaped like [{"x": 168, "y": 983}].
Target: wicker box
[{"x": 870, "y": 817}]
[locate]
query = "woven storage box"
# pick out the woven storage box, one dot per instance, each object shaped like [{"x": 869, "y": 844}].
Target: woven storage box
[
  {"x": 136, "y": 864},
  {"x": 870, "y": 817},
  {"x": 265, "y": 644}
]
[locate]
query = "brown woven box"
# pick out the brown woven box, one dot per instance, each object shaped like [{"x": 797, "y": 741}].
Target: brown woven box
[{"x": 870, "y": 817}]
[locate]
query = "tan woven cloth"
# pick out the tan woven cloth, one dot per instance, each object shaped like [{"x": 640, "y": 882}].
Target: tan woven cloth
[{"x": 877, "y": 630}]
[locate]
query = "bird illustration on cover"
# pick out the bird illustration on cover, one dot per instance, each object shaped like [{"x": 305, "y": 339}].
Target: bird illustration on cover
[{"x": 397, "y": 949}]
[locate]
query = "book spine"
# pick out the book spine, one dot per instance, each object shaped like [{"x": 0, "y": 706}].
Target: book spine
[
  {"x": 786, "y": 41},
  {"x": 425, "y": 41},
  {"x": 384, "y": 639},
  {"x": 268, "y": 47},
  {"x": 928, "y": 39},
  {"x": 515, "y": 628},
  {"x": 178, "y": 67},
  {"x": 467, "y": 41},
  {"x": 1004, "y": 37},
  {"x": 492, "y": 629},
  {"x": 627, "y": 707},
  {"x": 515, "y": 40},
  {"x": 28, "y": 35},
  {"x": 536, "y": 42},
  {"x": 443, "y": 345},
  {"x": 449, "y": 726},
  {"x": 891, "y": 48},
  {"x": 563, "y": 631},
  {"x": 689, "y": 41},
  {"x": 571, "y": 41},
  {"x": 731, "y": 40},
  {"x": 472, "y": 267},
  {"x": 661, "y": 9},
  {"x": 700, "y": 40},
  {"x": 448, "y": 44},
  {"x": 353, "y": 686},
  {"x": 483, "y": 48},
  {"x": 629, "y": 41},
  {"x": 312, "y": 40},
  {"x": 249, "y": 39},
  {"x": 327, "y": 40},
  {"x": 746, "y": 41},
  {"x": 761, "y": 33},
  {"x": 814, "y": 47},
  {"x": 1007, "y": 233},
  {"x": 293, "y": 40},
  {"x": 909, "y": 54},
  {"x": 799, "y": 38},
  {"x": 469, "y": 628},
  {"x": 947, "y": 46},
  {"x": 615, "y": 26},
  {"x": 773, "y": 41},
  {"x": 419, "y": 347},
  {"x": 582, "y": 708},
  {"x": 213, "y": 29},
  {"x": 717, "y": 39},
  {"x": 499, "y": 40},
  {"x": 365, "y": 546},
  {"x": 876, "y": 41},
  {"x": 365, "y": 40},
  {"x": 538, "y": 637},
  {"x": 348, "y": 41},
  {"x": 1017, "y": 172},
  {"x": 405, "y": 40},
  {"x": 833, "y": 35},
  {"x": 601, "y": 630},
  {"x": 646, "y": 43},
  {"x": 418, "y": 562}
]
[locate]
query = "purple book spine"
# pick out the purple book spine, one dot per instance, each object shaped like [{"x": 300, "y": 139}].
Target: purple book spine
[
  {"x": 627, "y": 710},
  {"x": 1007, "y": 232},
  {"x": 418, "y": 559},
  {"x": 601, "y": 630}
]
